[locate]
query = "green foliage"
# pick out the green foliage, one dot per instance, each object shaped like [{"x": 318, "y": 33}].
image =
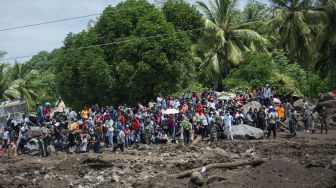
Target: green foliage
[
  {"x": 256, "y": 71},
  {"x": 131, "y": 71},
  {"x": 184, "y": 17},
  {"x": 307, "y": 82}
]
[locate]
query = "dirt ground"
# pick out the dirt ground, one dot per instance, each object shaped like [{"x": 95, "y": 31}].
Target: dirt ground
[{"x": 308, "y": 160}]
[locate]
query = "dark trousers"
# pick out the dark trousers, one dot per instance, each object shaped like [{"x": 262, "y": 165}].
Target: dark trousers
[
  {"x": 261, "y": 123},
  {"x": 272, "y": 128},
  {"x": 325, "y": 125},
  {"x": 186, "y": 134},
  {"x": 121, "y": 146}
]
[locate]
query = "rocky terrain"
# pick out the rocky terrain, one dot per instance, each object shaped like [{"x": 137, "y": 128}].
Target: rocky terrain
[{"x": 308, "y": 160}]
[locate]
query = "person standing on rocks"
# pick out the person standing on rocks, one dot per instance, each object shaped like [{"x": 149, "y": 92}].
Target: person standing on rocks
[
  {"x": 305, "y": 118},
  {"x": 228, "y": 125},
  {"x": 267, "y": 95},
  {"x": 261, "y": 118},
  {"x": 186, "y": 129},
  {"x": 292, "y": 122},
  {"x": 323, "y": 114},
  {"x": 214, "y": 129},
  {"x": 272, "y": 119}
]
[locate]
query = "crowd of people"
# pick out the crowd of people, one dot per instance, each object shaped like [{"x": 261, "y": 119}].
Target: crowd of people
[{"x": 170, "y": 119}]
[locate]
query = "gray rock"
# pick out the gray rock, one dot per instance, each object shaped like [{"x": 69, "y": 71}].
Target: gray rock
[
  {"x": 298, "y": 105},
  {"x": 253, "y": 105},
  {"x": 243, "y": 131},
  {"x": 47, "y": 177},
  {"x": 51, "y": 150},
  {"x": 197, "y": 178},
  {"x": 36, "y": 172},
  {"x": 115, "y": 178},
  {"x": 333, "y": 164},
  {"x": 100, "y": 179},
  {"x": 34, "y": 181},
  {"x": 88, "y": 178}
]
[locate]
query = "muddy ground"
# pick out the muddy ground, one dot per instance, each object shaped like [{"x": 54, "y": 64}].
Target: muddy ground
[{"x": 309, "y": 160}]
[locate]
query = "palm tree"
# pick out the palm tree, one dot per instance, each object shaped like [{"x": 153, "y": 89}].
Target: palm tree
[
  {"x": 22, "y": 84},
  {"x": 225, "y": 40},
  {"x": 292, "y": 23},
  {"x": 327, "y": 37}
]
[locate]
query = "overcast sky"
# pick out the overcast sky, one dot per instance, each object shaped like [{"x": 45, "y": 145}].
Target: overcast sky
[{"x": 31, "y": 40}]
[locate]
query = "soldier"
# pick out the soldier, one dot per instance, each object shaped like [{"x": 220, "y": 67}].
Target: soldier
[
  {"x": 148, "y": 132},
  {"x": 323, "y": 114},
  {"x": 305, "y": 118},
  {"x": 272, "y": 119},
  {"x": 292, "y": 122},
  {"x": 214, "y": 129},
  {"x": 186, "y": 129},
  {"x": 314, "y": 119}
]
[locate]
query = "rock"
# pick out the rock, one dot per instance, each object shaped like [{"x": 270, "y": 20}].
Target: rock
[
  {"x": 32, "y": 145},
  {"x": 243, "y": 131},
  {"x": 333, "y": 164},
  {"x": 221, "y": 152},
  {"x": 47, "y": 177},
  {"x": 298, "y": 105},
  {"x": 71, "y": 184},
  {"x": 50, "y": 150},
  {"x": 197, "y": 178},
  {"x": 100, "y": 179},
  {"x": 253, "y": 105},
  {"x": 36, "y": 172},
  {"x": 115, "y": 178},
  {"x": 88, "y": 178},
  {"x": 165, "y": 154},
  {"x": 328, "y": 97},
  {"x": 34, "y": 181}
]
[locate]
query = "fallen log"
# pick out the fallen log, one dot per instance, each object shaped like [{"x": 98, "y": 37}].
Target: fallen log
[
  {"x": 197, "y": 140},
  {"x": 253, "y": 162}
]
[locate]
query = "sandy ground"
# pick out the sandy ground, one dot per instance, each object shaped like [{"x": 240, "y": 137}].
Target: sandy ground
[{"x": 303, "y": 161}]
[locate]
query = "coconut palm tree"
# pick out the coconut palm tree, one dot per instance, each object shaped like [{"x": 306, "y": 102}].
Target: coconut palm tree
[
  {"x": 22, "y": 84},
  {"x": 292, "y": 23},
  {"x": 326, "y": 40},
  {"x": 225, "y": 40}
]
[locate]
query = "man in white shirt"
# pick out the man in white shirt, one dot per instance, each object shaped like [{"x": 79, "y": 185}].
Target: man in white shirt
[
  {"x": 83, "y": 146},
  {"x": 228, "y": 125}
]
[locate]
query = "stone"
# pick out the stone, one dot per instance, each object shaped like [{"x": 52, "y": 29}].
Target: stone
[
  {"x": 243, "y": 131},
  {"x": 100, "y": 179},
  {"x": 253, "y": 105},
  {"x": 47, "y": 177},
  {"x": 88, "y": 178},
  {"x": 115, "y": 178},
  {"x": 51, "y": 150},
  {"x": 34, "y": 181},
  {"x": 333, "y": 164},
  {"x": 197, "y": 178},
  {"x": 298, "y": 105},
  {"x": 36, "y": 172}
]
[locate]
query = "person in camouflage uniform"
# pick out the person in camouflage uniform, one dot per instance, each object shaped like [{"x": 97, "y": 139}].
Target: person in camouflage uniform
[
  {"x": 292, "y": 122},
  {"x": 186, "y": 129},
  {"x": 215, "y": 129},
  {"x": 148, "y": 132}
]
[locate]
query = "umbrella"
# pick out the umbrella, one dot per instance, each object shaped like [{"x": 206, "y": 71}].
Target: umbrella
[
  {"x": 276, "y": 101},
  {"x": 224, "y": 98},
  {"x": 171, "y": 111}
]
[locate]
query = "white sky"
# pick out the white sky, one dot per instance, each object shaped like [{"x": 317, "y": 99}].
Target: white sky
[{"x": 31, "y": 40}]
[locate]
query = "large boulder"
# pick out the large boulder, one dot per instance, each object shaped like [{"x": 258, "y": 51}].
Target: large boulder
[
  {"x": 298, "y": 105},
  {"x": 252, "y": 104},
  {"x": 243, "y": 131}
]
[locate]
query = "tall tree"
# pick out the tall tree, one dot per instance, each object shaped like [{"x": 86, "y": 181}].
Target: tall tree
[
  {"x": 292, "y": 23},
  {"x": 225, "y": 40},
  {"x": 184, "y": 17}
]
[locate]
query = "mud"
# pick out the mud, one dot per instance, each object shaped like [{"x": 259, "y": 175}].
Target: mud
[{"x": 303, "y": 161}]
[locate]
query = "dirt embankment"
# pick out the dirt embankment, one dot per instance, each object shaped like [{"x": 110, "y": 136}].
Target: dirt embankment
[{"x": 305, "y": 161}]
